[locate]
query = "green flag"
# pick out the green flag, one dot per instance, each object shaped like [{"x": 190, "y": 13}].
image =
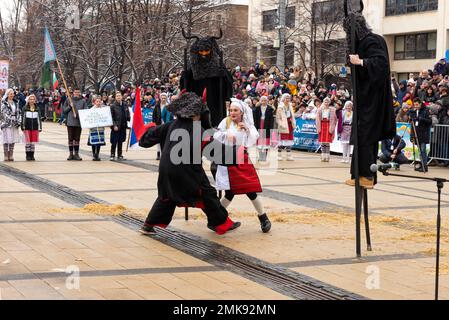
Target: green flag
[{"x": 46, "y": 76}]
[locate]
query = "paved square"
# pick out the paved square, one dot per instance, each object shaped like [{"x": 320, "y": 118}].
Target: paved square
[{"x": 47, "y": 239}]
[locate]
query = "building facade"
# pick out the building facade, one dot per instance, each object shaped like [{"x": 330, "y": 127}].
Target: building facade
[{"x": 416, "y": 31}]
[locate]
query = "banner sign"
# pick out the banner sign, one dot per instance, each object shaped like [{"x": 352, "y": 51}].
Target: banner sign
[
  {"x": 95, "y": 117},
  {"x": 306, "y": 138},
  {"x": 305, "y": 135},
  {"x": 4, "y": 74}
]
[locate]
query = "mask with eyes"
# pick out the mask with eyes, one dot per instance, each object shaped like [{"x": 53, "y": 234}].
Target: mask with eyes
[{"x": 205, "y": 59}]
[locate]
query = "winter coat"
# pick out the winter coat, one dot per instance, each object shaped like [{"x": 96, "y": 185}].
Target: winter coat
[
  {"x": 402, "y": 92},
  {"x": 332, "y": 120},
  {"x": 79, "y": 104},
  {"x": 8, "y": 118},
  {"x": 120, "y": 115},
  {"x": 422, "y": 123},
  {"x": 268, "y": 123},
  {"x": 31, "y": 120},
  {"x": 282, "y": 120}
]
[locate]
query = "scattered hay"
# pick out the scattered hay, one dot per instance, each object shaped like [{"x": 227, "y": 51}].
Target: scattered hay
[
  {"x": 424, "y": 237},
  {"x": 386, "y": 219},
  {"x": 444, "y": 269},
  {"x": 433, "y": 252},
  {"x": 94, "y": 208}
]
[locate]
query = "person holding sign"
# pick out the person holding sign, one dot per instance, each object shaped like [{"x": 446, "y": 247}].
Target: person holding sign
[{"x": 96, "y": 135}]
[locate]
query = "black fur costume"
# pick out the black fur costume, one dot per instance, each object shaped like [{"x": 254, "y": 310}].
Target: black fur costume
[{"x": 208, "y": 72}]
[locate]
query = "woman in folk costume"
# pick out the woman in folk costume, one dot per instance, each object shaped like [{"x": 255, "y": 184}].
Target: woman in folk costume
[
  {"x": 264, "y": 123},
  {"x": 326, "y": 120},
  {"x": 345, "y": 134},
  {"x": 286, "y": 124},
  {"x": 182, "y": 180},
  {"x": 31, "y": 126},
  {"x": 10, "y": 122},
  {"x": 96, "y": 135},
  {"x": 238, "y": 130}
]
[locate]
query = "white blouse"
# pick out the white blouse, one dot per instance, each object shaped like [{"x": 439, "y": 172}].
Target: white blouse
[{"x": 245, "y": 138}]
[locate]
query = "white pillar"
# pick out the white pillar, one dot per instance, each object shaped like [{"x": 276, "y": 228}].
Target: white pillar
[{"x": 442, "y": 45}]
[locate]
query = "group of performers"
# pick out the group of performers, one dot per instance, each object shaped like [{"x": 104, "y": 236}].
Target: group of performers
[
  {"x": 205, "y": 75},
  {"x": 186, "y": 184}
]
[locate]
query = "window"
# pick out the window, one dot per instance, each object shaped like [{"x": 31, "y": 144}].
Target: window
[
  {"x": 332, "y": 51},
  {"x": 290, "y": 17},
  {"x": 398, "y": 7},
  {"x": 289, "y": 54},
  {"x": 415, "y": 46},
  {"x": 327, "y": 12},
  {"x": 269, "y": 20},
  {"x": 269, "y": 55}
]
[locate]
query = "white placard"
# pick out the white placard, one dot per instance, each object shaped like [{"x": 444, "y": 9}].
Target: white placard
[
  {"x": 95, "y": 117},
  {"x": 4, "y": 73}
]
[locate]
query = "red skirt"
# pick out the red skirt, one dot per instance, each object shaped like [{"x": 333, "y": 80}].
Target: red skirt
[
  {"x": 31, "y": 136},
  {"x": 243, "y": 177},
  {"x": 325, "y": 135},
  {"x": 289, "y": 135},
  {"x": 264, "y": 137}
]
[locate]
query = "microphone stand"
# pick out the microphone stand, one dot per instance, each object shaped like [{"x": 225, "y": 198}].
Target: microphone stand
[{"x": 440, "y": 184}]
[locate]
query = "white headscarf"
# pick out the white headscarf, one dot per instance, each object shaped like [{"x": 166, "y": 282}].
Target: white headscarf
[
  {"x": 347, "y": 103},
  {"x": 28, "y": 98},
  {"x": 283, "y": 97},
  {"x": 5, "y": 96},
  {"x": 246, "y": 110}
]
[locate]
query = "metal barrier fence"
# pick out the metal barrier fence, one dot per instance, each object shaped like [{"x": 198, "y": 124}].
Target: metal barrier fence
[{"x": 439, "y": 142}]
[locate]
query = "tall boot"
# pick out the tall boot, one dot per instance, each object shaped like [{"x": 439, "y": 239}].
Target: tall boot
[
  {"x": 70, "y": 158},
  {"x": 5, "y": 152},
  {"x": 32, "y": 156},
  {"x": 28, "y": 157},
  {"x": 11, "y": 152},
  {"x": 76, "y": 155}
]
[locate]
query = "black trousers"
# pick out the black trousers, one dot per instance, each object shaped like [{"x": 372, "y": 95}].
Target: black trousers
[
  {"x": 367, "y": 156},
  {"x": 162, "y": 211},
  {"x": 400, "y": 158},
  {"x": 117, "y": 146},
  {"x": 74, "y": 135}
]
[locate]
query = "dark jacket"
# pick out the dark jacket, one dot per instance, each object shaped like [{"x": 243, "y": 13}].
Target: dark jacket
[
  {"x": 120, "y": 115},
  {"x": 268, "y": 123},
  {"x": 79, "y": 104},
  {"x": 31, "y": 120},
  {"x": 445, "y": 106},
  {"x": 422, "y": 123},
  {"x": 388, "y": 145},
  {"x": 157, "y": 114}
]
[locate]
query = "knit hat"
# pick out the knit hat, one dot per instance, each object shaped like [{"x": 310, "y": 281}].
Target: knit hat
[{"x": 187, "y": 106}]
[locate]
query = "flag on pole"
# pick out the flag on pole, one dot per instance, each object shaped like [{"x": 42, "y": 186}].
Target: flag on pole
[
  {"x": 137, "y": 127},
  {"x": 46, "y": 76},
  {"x": 49, "y": 49},
  {"x": 55, "y": 82}
]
